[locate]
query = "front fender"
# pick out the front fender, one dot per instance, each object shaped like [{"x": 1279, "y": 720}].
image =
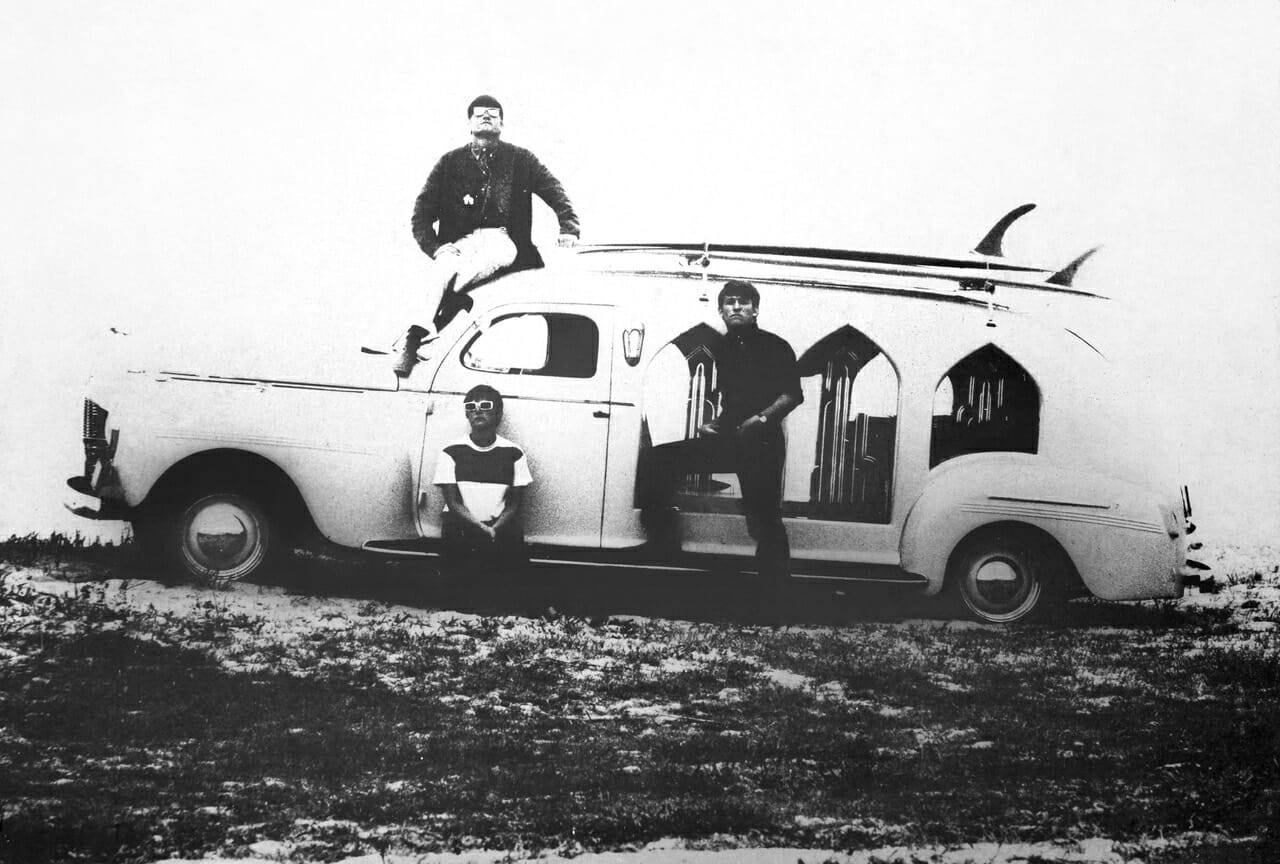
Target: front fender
[
  {"x": 352, "y": 455},
  {"x": 1124, "y": 541}
]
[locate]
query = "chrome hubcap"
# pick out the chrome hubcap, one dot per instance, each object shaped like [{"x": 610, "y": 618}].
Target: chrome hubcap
[
  {"x": 223, "y": 537},
  {"x": 999, "y": 589}
]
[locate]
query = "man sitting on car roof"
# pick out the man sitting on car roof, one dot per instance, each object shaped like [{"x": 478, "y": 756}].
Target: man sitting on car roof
[{"x": 480, "y": 196}]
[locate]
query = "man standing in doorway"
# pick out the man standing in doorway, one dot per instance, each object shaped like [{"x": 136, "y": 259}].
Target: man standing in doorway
[
  {"x": 475, "y": 213},
  {"x": 759, "y": 384}
]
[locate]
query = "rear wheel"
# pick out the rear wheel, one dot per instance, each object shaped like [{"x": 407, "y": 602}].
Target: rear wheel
[{"x": 1003, "y": 576}]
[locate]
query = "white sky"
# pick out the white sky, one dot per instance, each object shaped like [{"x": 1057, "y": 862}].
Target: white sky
[{"x": 192, "y": 167}]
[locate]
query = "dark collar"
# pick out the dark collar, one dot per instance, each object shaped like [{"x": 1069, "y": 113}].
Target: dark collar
[{"x": 744, "y": 334}]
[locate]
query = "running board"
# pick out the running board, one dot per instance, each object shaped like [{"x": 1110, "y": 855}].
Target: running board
[
  {"x": 405, "y": 548},
  {"x": 835, "y": 571}
]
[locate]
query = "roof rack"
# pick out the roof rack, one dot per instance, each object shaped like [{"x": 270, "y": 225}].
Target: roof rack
[
  {"x": 860, "y": 286},
  {"x": 990, "y": 247},
  {"x": 968, "y": 274},
  {"x": 851, "y": 256}
]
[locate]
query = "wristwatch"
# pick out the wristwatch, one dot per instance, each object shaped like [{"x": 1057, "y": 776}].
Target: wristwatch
[{"x": 762, "y": 418}]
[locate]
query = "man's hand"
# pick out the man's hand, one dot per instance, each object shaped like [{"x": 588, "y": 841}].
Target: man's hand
[
  {"x": 708, "y": 430},
  {"x": 481, "y": 529},
  {"x": 751, "y": 427},
  {"x": 566, "y": 241}
]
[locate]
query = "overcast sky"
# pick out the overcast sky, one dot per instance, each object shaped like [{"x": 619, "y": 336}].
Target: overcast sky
[{"x": 193, "y": 167}]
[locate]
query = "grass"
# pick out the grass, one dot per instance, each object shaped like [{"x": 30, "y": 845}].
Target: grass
[
  {"x": 129, "y": 734},
  {"x": 52, "y": 550}
]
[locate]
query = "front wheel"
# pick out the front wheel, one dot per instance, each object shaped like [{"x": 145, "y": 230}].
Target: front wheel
[
  {"x": 223, "y": 537},
  {"x": 1004, "y": 576}
]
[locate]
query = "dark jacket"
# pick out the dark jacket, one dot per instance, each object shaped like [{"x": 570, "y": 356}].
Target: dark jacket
[
  {"x": 460, "y": 196},
  {"x": 755, "y": 368}
]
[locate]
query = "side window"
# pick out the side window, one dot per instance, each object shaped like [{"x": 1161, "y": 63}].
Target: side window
[
  {"x": 841, "y": 440},
  {"x": 554, "y": 344},
  {"x": 680, "y": 394},
  {"x": 987, "y": 402},
  {"x": 680, "y": 385},
  {"x": 852, "y": 422}
]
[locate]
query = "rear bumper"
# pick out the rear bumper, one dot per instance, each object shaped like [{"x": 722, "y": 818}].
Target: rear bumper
[{"x": 1194, "y": 574}]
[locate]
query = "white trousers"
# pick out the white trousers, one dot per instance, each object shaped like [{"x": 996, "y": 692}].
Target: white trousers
[{"x": 481, "y": 253}]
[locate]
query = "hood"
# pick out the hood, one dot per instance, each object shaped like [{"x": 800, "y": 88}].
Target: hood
[{"x": 309, "y": 357}]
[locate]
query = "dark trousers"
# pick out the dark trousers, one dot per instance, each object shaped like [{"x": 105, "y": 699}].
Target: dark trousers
[
  {"x": 757, "y": 462},
  {"x": 467, "y": 550}
]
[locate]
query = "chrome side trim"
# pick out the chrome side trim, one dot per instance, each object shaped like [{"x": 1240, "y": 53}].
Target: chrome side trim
[
  {"x": 270, "y": 382},
  {"x": 1049, "y": 501},
  {"x": 264, "y": 441},
  {"x": 1062, "y": 516}
]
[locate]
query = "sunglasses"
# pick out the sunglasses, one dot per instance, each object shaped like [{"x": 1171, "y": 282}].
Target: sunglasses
[
  {"x": 480, "y": 405},
  {"x": 492, "y": 114}
]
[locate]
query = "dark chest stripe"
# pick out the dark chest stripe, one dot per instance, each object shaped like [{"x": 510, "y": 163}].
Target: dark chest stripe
[{"x": 484, "y": 466}]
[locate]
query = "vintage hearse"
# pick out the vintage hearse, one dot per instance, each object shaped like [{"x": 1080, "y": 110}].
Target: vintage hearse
[{"x": 946, "y": 439}]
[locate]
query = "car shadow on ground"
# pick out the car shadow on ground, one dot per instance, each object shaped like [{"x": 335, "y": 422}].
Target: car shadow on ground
[
  {"x": 596, "y": 592},
  {"x": 593, "y": 592}
]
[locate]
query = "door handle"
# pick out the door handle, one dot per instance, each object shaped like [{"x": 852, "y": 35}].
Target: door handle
[{"x": 601, "y": 414}]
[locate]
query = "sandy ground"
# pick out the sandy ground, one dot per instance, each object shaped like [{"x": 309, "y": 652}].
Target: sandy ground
[
  {"x": 1248, "y": 585},
  {"x": 1095, "y": 851}
]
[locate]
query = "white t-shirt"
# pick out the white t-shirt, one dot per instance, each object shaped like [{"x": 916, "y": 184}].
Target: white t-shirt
[{"x": 483, "y": 474}]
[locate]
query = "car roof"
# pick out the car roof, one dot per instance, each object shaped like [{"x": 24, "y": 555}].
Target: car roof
[{"x": 918, "y": 317}]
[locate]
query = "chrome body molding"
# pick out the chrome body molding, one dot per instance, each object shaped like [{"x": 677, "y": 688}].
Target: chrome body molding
[{"x": 1057, "y": 512}]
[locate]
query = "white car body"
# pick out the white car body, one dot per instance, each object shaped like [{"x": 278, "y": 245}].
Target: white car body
[{"x": 357, "y": 447}]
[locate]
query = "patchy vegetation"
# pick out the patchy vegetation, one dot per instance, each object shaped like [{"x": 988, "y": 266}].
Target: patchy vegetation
[{"x": 139, "y": 721}]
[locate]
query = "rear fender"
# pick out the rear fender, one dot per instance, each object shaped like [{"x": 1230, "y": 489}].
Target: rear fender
[{"x": 1115, "y": 534}]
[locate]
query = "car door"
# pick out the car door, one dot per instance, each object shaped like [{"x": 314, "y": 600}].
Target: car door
[{"x": 551, "y": 363}]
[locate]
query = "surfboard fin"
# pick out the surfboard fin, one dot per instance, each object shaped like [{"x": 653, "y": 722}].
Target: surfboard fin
[
  {"x": 992, "y": 244},
  {"x": 1064, "y": 276}
]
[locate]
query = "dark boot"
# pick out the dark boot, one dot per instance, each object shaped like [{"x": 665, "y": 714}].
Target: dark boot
[
  {"x": 452, "y": 303},
  {"x": 662, "y": 525},
  {"x": 408, "y": 355}
]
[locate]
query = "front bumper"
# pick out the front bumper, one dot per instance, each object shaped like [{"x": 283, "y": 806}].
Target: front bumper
[
  {"x": 99, "y": 494},
  {"x": 87, "y": 503}
]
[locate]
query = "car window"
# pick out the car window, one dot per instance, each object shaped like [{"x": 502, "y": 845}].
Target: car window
[
  {"x": 985, "y": 403},
  {"x": 850, "y": 412},
  {"x": 554, "y": 344},
  {"x": 842, "y": 437}
]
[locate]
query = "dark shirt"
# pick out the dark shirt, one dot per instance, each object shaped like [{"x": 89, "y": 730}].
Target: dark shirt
[
  {"x": 755, "y": 368},
  {"x": 473, "y": 187}
]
